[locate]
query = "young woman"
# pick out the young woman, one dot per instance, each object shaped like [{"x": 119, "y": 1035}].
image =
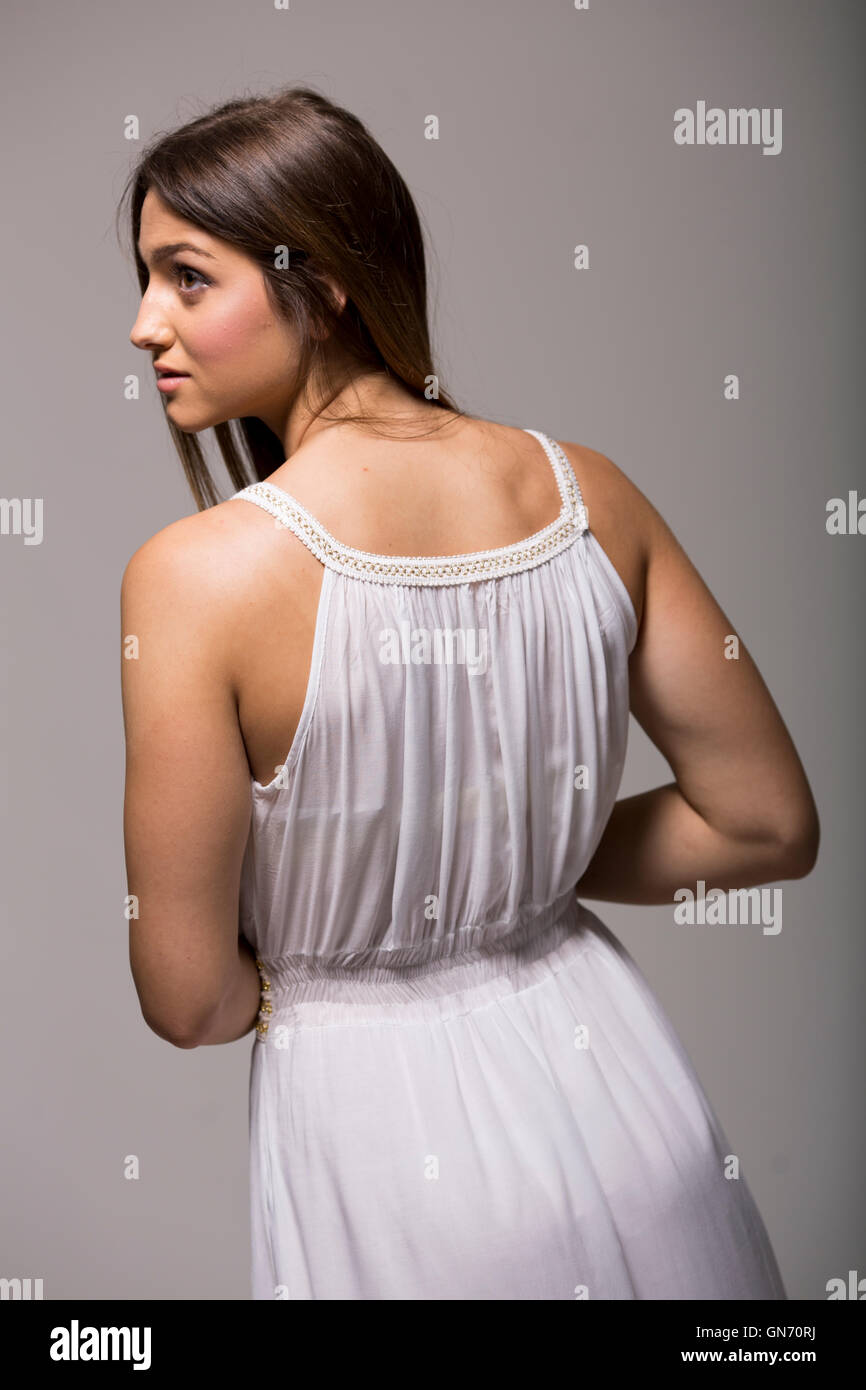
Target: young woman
[{"x": 376, "y": 712}]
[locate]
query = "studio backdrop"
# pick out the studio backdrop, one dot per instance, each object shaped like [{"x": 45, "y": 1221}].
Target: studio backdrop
[{"x": 644, "y": 224}]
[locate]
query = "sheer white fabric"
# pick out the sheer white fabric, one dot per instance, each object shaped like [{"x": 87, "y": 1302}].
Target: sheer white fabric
[{"x": 462, "y": 1087}]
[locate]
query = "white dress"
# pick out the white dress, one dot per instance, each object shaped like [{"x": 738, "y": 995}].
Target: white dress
[{"x": 461, "y": 1086}]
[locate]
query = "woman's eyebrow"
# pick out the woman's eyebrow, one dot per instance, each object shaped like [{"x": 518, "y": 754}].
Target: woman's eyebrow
[{"x": 162, "y": 253}]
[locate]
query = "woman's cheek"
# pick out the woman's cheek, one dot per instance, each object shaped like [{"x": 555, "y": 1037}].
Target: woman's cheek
[
  {"x": 236, "y": 326},
  {"x": 220, "y": 339}
]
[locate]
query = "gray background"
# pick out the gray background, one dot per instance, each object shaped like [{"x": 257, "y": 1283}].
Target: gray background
[{"x": 556, "y": 128}]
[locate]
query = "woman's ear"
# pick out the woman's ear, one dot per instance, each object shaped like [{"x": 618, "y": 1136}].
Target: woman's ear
[
  {"x": 338, "y": 294},
  {"x": 338, "y": 298}
]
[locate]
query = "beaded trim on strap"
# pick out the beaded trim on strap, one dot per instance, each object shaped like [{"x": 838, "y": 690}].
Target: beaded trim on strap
[{"x": 433, "y": 569}]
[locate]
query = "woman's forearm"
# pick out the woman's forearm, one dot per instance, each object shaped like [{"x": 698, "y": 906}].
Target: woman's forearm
[{"x": 656, "y": 842}]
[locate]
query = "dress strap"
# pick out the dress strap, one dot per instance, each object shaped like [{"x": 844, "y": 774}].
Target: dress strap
[
  {"x": 571, "y": 522},
  {"x": 565, "y": 474}
]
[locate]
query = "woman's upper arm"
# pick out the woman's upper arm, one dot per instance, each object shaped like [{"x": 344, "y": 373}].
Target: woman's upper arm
[
  {"x": 700, "y": 698},
  {"x": 187, "y": 796}
]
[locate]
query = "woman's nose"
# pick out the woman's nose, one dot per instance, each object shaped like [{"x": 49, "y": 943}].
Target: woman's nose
[{"x": 150, "y": 328}]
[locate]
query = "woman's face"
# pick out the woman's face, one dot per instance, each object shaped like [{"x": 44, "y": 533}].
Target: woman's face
[{"x": 205, "y": 313}]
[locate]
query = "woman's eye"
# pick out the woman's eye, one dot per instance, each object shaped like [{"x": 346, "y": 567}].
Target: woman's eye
[{"x": 181, "y": 270}]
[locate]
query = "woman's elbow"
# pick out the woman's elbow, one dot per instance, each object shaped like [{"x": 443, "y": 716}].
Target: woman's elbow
[
  {"x": 802, "y": 843},
  {"x": 176, "y": 1005},
  {"x": 180, "y": 1033}
]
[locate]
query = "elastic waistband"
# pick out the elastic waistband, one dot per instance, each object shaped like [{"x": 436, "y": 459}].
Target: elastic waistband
[{"x": 304, "y": 989}]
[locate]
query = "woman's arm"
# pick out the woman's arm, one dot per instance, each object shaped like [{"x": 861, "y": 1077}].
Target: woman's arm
[
  {"x": 655, "y": 843},
  {"x": 740, "y": 810},
  {"x": 187, "y": 797}
]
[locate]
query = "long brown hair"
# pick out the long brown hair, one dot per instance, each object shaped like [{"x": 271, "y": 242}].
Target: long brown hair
[{"x": 293, "y": 170}]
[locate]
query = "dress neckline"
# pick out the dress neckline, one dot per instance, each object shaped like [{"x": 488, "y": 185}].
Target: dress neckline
[{"x": 463, "y": 568}]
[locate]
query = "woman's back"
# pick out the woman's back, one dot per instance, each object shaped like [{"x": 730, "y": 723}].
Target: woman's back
[
  {"x": 462, "y": 1086},
  {"x": 459, "y": 748},
  {"x": 474, "y": 486}
]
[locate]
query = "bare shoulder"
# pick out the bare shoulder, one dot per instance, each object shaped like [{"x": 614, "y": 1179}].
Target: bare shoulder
[
  {"x": 621, "y": 517},
  {"x": 203, "y": 584},
  {"x": 180, "y": 558},
  {"x": 197, "y": 580},
  {"x": 205, "y": 555}
]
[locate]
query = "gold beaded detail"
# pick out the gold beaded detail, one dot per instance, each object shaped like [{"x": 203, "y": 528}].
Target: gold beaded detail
[
  {"x": 433, "y": 569},
  {"x": 265, "y": 1005}
]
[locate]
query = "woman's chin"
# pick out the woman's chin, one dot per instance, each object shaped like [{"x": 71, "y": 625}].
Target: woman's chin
[{"x": 190, "y": 420}]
